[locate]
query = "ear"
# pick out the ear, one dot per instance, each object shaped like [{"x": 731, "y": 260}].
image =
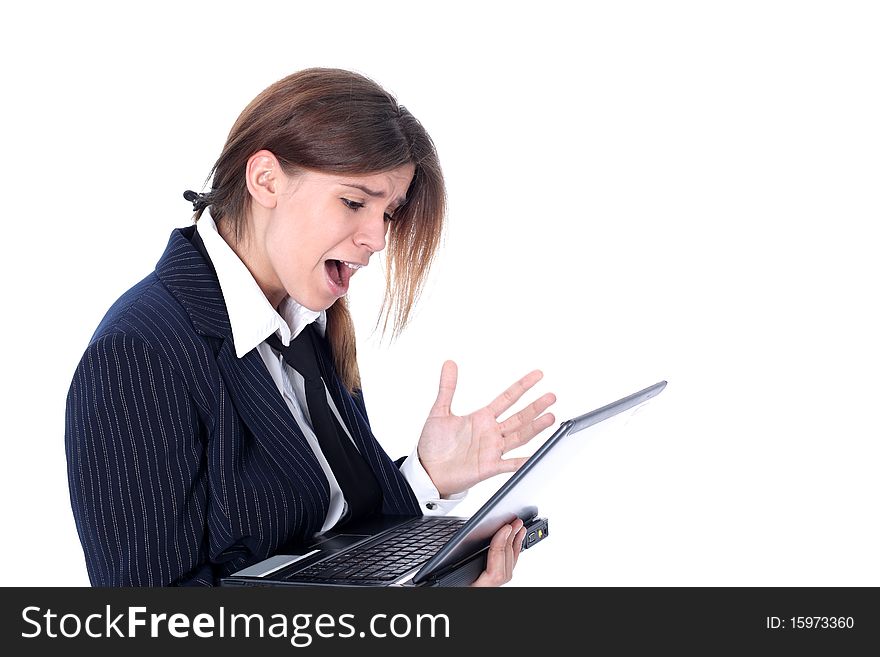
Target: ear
[{"x": 262, "y": 177}]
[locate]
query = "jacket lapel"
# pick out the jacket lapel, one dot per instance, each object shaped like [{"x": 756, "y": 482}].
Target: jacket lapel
[{"x": 252, "y": 393}]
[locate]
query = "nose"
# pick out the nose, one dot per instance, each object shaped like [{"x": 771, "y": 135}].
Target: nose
[{"x": 371, "y": 232}]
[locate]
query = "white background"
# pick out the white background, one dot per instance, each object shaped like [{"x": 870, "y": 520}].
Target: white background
[{"x": 638, "y": 191}]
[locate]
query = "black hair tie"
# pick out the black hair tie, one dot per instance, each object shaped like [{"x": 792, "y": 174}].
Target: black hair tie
[{"x": 199, "y": 201}]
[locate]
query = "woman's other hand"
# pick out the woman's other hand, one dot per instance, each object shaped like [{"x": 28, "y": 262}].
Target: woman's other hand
[
  {"x": 502, "y": 556},
  {"x": 460, "y": 451}
]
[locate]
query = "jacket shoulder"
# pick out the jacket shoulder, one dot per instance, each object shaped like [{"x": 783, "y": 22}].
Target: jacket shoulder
[{"x": 150, "y": 315}]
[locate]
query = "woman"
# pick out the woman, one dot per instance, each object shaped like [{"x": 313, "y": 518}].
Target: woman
[{"x": 194, "y": 446}]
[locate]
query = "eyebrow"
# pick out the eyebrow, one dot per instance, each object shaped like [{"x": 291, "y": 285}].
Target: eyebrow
[{"x": 372, "y": 192}]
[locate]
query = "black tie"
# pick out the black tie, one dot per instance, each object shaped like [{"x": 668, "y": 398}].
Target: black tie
[{"x": 356, "y": 479}]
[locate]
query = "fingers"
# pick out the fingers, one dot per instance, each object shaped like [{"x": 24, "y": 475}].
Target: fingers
[
  {"x": 522, "y": 427},
  {"x": 526, "y": 433},
  {"x": 448, "y": 381},
  {"x": 528, "y": 414},
  {"x": 510, "y": 465},
  {"x": 510, "y": 396},
  {"x": 518, "y": 543},
  {"x": 502, "y": 555}
]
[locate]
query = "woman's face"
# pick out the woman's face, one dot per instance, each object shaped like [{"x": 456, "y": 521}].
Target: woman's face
[{"x": 324, "y": 228}]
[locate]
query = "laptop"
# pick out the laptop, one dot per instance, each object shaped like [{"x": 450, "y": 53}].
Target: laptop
[{"x": 440, "y": 550}]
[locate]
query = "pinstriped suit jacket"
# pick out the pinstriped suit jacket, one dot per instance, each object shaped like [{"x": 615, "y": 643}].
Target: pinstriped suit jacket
[{"x": 184, "y": 463}]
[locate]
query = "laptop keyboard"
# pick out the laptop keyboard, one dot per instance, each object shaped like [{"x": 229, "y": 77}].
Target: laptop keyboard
[{"x": 387, "y": 558}]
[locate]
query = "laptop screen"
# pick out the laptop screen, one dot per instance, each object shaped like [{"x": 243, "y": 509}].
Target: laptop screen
[{"x": 520, "y": 494}]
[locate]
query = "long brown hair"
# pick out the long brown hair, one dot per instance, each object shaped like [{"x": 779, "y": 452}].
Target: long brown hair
[{"x": 337, "y": 121}]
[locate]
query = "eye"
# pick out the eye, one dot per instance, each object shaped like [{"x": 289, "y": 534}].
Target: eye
[
  {"x": 351, "y": 205},
  {"x": 357, "y": 205}
]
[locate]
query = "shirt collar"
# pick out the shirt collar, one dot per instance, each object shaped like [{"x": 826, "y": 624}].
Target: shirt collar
[{"x": 251, "y": 316}]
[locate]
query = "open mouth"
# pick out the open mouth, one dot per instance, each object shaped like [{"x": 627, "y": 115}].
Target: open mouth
[{"x": 340, "y": 272}]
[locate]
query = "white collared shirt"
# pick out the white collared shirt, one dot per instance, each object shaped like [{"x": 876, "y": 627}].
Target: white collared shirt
[{"x": 253, "y": 319}]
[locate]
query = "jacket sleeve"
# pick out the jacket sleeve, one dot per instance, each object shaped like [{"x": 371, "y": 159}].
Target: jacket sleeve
[{"x": 135, "y": 464}]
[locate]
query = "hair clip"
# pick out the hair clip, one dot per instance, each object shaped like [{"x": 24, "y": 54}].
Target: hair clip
[{"x": 199, "y": 201}]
